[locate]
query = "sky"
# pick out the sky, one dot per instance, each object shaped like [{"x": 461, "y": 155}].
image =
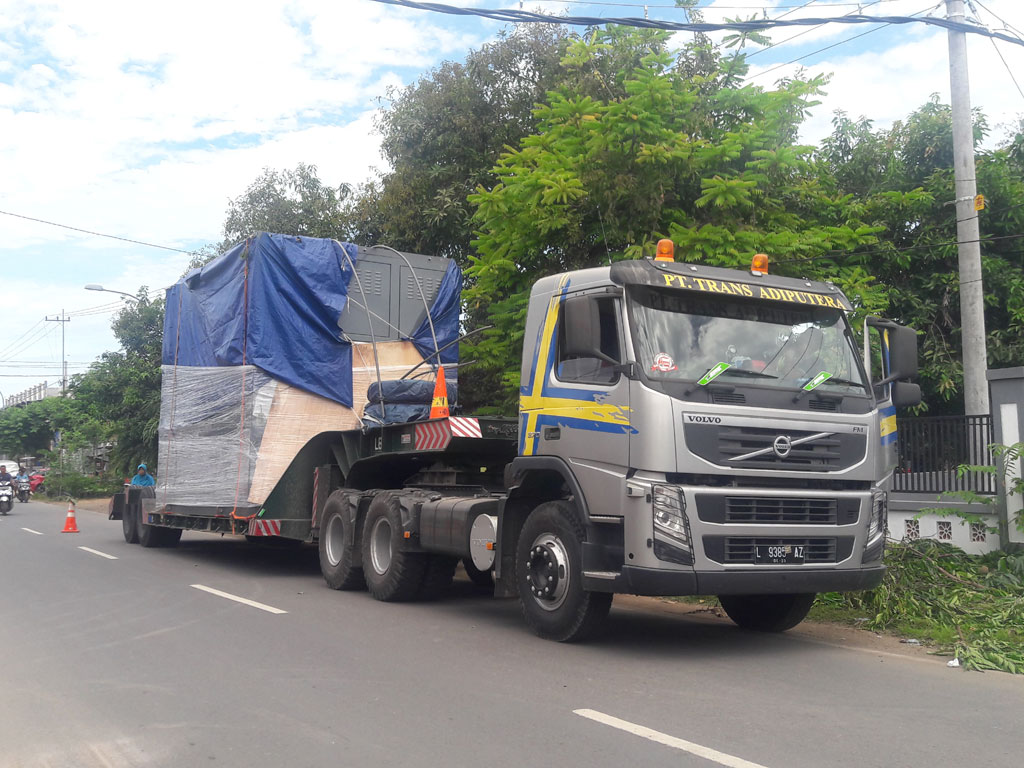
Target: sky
[{"x": 143, "y": 121}]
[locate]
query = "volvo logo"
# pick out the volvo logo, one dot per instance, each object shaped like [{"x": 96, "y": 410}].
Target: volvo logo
[{"x": 782, "y": 446}]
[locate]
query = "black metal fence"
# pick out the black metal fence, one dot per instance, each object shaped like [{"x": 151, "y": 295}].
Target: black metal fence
[{"x": 931, "y": 448}]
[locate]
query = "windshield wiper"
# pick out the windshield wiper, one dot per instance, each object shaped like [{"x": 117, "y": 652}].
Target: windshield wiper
[
  {"x": 745, "y": 372},
  {"x": 847, "y": 382}
]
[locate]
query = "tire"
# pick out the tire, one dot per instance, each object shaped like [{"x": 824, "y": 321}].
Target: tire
[
  {"x": 130, "y": 525},
  {"x": 767, "y": 613},
  {"x": 339, "y": 547},
  {"x": 392, "y": 574},
  {"x": 152, "y": 536},
  {"x": 437, "y": 578},
  {"x": 483, "y": 579},
  {"x": 549, "y": 576}
]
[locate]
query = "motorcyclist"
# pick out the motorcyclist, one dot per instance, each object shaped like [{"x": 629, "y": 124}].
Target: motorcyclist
[
  {"x": 5, "y": 475},
  {"x": 22, "y": 476},
  {"x": 142, "y": 477}
]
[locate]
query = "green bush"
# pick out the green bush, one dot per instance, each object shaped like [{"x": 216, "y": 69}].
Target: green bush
[
  {"x": 967, "y": 606},
  {"x": 79, "y": 486}
]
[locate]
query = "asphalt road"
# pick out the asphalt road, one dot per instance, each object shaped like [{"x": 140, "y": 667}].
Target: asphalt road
[{"x": 123, "y": 662}]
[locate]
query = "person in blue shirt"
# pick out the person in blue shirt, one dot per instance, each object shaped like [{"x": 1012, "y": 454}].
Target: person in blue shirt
[
  {"x": 142, "y": 477},
  {"x": 22, "y": 475}
]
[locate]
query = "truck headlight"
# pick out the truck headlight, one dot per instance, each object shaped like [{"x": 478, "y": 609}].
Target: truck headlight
[{"x": 671, "y": 528}]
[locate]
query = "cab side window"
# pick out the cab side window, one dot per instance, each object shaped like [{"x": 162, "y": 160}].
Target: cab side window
[{"x": 593, "y": 370}]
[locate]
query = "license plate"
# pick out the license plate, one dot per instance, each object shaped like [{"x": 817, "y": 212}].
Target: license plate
[{"x": 779, "y": 554}]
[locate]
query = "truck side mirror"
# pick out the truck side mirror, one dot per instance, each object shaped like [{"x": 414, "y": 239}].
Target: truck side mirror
[
  {"x": 903, "y": 353},
  {"x": 905, "y": 394},
  {"x": 581, "y": 320}
]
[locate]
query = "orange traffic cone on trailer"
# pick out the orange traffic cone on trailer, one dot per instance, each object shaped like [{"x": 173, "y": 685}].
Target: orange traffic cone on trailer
[
  {"x": 70, "y": 525},
  {"x": 439, "y": 405}
]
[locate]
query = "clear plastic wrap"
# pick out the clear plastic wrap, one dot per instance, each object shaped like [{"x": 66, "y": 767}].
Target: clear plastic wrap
[{"x": 211, "y": 426}]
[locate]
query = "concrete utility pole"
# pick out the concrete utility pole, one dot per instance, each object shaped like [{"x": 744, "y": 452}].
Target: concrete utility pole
[
  {"x": 972, "y": 307},
  {"x": 63, "y": 319}
]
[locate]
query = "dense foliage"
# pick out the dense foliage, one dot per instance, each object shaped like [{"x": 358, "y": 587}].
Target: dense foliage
[
  {"x": 901, "y": 180},
  {"x": 637, "y": 144}
]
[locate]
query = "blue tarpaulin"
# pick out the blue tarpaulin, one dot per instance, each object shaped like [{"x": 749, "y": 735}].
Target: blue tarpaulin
[
  {"x": 275, "y": 301},
  {"x": 445, "y": 314}
]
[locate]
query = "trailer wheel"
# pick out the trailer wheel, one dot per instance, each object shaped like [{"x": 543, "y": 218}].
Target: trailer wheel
[
  {"x": 130, "y": 525},
  {"x": 437, "y": 577},
  {"x": 482, "y": 579},
  {"x": 767, "y": 613},
  {"x": 549, "y": 576},
  {"x": 392, "y": 574},
  {"x": 338, "y": 553},
  {"x": 152, "y": 536}
]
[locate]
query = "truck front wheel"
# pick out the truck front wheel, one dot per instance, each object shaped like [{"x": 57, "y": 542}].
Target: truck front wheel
[
  {"x": 767, "y": 613},
  {"x": 338, "y": 553},
  {"x": 549, "y": 576},
  {"x": 392, "y": 573}
]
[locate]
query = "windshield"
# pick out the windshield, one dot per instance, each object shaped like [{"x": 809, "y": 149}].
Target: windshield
[{"x": 685, "y": 337}]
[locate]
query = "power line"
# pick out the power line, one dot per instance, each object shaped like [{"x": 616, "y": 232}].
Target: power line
[
  {"x": 97, "y": 234},
  {"x": 755, "y": 25},
  {"x": 829, "y": 47},
  {"x": 800, "y": 34}
]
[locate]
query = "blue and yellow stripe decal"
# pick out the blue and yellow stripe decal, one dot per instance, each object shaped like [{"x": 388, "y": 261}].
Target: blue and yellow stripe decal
[
  {"x": 887, "y": 425},
  {"x": 544, "y": 405}
]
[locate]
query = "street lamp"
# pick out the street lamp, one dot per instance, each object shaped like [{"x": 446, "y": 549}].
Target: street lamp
[{"x": 98, "y": 287}]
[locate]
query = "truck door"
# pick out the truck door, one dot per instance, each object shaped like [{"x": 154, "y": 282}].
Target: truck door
[{"x": 577, "y": 406}]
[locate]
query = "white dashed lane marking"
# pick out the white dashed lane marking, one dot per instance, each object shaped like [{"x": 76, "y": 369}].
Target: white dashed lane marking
[
  {"x": 669, "y": 741},
  {"x": 37, "y": 533},
  {"x": 97, "y": 552},
  {"x": 237, "y": 599}
]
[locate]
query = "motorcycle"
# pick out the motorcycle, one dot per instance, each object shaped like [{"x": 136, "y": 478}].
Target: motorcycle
[
  {"x": 24, "y": 490},
  {"x": 6, "y": 497}
]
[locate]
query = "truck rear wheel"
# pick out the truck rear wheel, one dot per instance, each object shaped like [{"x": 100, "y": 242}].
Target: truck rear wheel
[
  {"x": 437, "y": 577},
  {"x": 339, "y": 547},
  {"x": 392, "y": 574},
  {"x": 549, "y": 576},
  {"x": 767, "y": 613}
]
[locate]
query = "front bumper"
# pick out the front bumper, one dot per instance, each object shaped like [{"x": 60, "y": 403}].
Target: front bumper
[{"x": 637, "y": 580}]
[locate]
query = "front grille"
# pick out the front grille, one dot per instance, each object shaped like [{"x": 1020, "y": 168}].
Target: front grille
[
  {"x": 741, "y": 509},
  {"x": 822, "y": 453},
  {"x": 736, "y": 550},
  {"x": 723, "y": 444}
]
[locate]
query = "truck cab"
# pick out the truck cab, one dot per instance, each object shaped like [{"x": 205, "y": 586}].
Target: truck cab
[{"x": 716, "y": 432}]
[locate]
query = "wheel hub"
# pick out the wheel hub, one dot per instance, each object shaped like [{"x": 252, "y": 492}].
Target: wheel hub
[
  {"x": 547, "y": 573},
  {"x": 380, "y": 546}
]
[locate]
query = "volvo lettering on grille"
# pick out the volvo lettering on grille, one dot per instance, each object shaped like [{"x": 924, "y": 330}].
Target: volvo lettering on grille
[{"x": 782, "y": 446}]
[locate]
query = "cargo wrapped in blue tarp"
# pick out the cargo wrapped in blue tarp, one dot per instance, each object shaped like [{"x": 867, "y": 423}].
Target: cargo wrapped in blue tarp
[{"x": 272, "y": 301}]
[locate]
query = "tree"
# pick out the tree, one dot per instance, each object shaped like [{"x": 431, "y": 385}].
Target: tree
[
  {"x": 442, "y": 136},
  {"x": 291, "y": 202},
  {"x": 665, "y": 146},
  {"x": 902, "y": 180},
  {"x": 122, "y": 389}
]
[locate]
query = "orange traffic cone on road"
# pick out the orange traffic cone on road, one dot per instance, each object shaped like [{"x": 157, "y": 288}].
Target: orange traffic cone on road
[
  {"x": 70, "y": 525},
  {"x": 439, "y": 406}
]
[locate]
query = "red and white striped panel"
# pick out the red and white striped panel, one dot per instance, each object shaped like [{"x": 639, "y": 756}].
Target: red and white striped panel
[
  {"x": 432, "y": 436},
  {"x": 464, "y": 426},
  {"x": 259, "y": 527}
]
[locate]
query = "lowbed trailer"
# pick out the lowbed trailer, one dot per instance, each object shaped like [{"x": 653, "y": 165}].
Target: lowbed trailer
[{"x": 683, "y": 430}]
